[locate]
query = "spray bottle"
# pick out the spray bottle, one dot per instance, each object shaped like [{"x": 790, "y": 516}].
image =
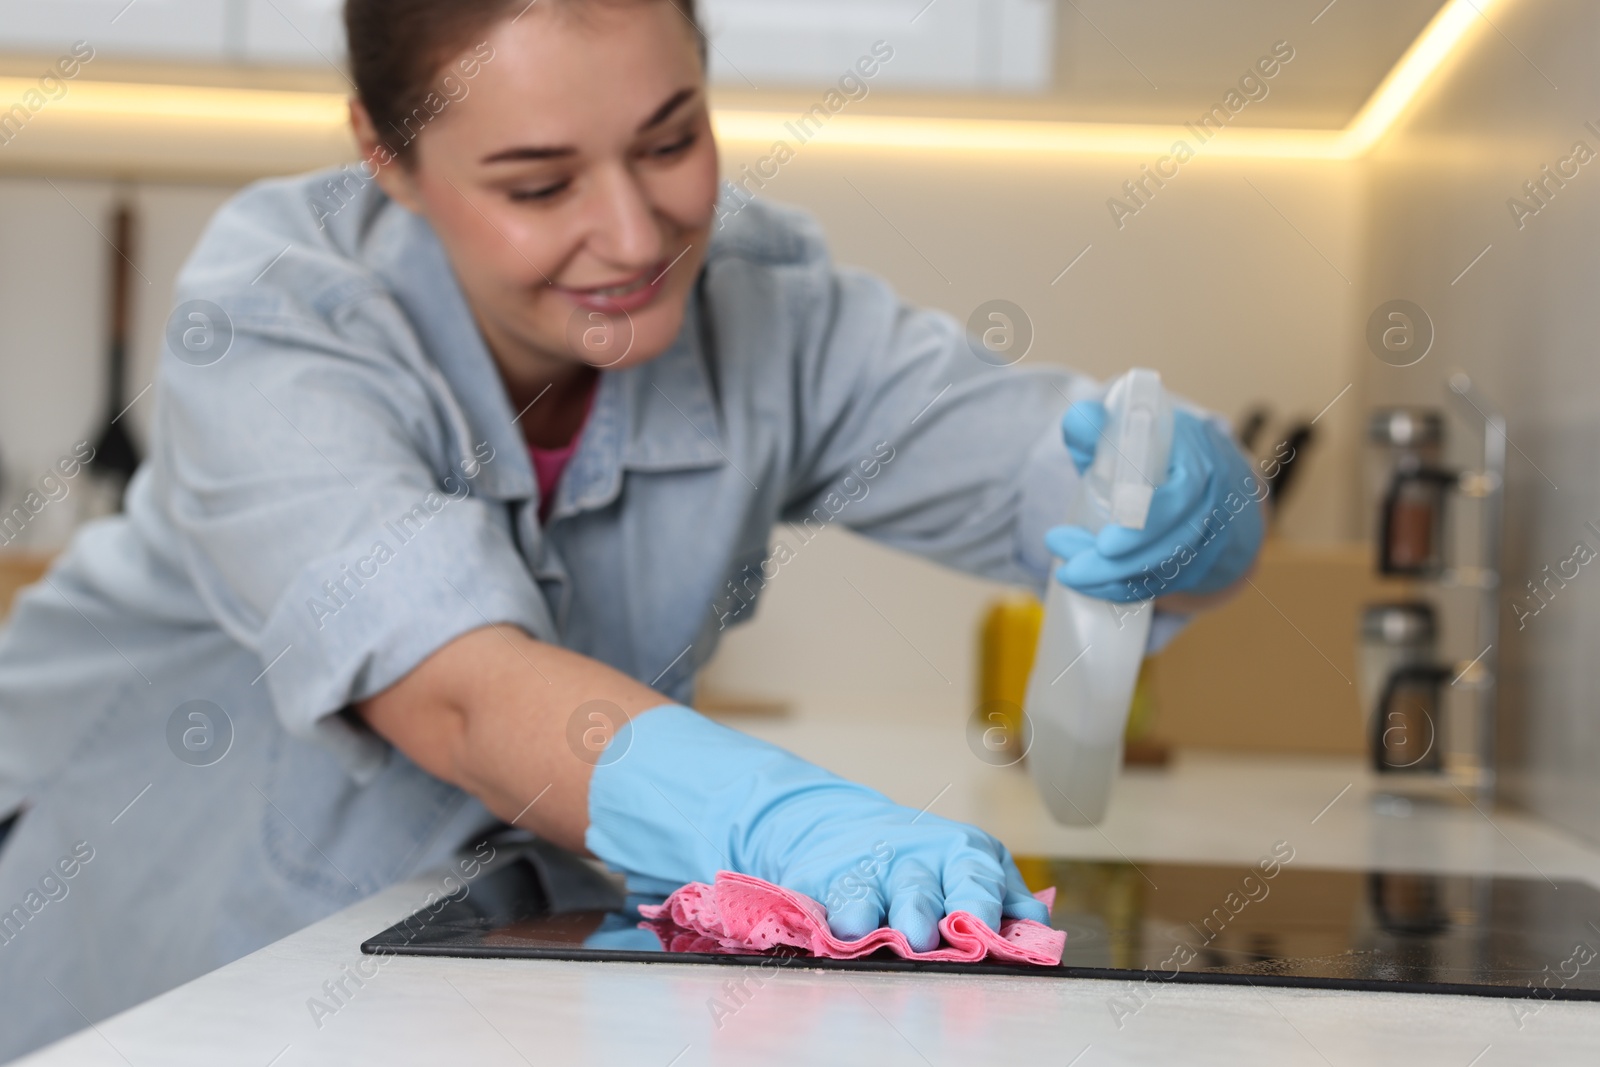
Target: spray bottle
[{"x": 1084, "y": 672}]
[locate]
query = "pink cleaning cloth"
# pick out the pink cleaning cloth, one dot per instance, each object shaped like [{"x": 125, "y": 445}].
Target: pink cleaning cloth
[{"x": 744, "y": 914}]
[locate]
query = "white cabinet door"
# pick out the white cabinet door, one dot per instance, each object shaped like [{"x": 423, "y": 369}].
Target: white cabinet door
[
  {"x": 949, "y": 45},
  {"x": 306, "y": 33},
  {"x": 943, "y": 44},
  {"x": 154, "y": 29}
]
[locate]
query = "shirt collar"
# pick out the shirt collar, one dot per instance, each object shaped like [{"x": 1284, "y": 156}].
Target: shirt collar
[
  {"x": 410, "y": 259},
  {"x": 657, "y": 416},
  {"x": 661, "y": 415}
]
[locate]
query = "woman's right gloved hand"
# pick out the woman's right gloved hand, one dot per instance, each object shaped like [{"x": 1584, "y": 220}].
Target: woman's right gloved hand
[
  {"x": 684, "y": 797},
  {"x": 1205, "y": 522}
]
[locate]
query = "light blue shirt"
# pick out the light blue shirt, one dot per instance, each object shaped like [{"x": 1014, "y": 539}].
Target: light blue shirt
[{"x": 346, "y": 490}]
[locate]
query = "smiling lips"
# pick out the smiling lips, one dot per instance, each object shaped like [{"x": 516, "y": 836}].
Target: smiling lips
[{"x": 623, "y": 297}]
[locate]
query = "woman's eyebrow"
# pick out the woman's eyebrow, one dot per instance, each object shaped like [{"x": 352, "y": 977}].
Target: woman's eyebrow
[
  {"x": 526, "y": 153},
  {"x": 664, "y": 112},
  {"x": 530, "y": 152}
]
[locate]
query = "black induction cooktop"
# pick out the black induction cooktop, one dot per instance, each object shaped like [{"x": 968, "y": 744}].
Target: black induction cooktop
[{"x": 1273, "y": 924}]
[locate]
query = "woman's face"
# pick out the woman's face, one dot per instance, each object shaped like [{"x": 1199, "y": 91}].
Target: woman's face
[{"x": 574, "y": 185}]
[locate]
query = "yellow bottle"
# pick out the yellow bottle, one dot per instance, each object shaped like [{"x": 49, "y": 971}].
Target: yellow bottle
[
  {"x": 1007, "y": 641},
  {"x": 1009, "y": 636}
]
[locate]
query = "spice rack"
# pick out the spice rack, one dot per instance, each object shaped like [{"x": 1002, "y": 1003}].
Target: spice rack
[{"x": 1432, "y": 719}]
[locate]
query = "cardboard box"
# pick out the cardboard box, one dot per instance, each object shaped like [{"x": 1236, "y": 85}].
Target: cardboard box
[{"x": 1274, "y": 669}]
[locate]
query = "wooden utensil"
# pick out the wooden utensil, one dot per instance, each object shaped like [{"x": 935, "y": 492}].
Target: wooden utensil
[{"x": 116, "y": 457}]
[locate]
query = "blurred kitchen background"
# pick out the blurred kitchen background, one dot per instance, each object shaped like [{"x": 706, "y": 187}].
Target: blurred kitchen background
[{"x": 1379, "y": 163}]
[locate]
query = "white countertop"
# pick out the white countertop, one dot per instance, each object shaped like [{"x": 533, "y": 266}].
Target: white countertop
[{"x": 1205, "y": 808}]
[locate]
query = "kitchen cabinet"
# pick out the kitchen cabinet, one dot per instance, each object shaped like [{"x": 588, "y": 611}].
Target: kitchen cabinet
[
  {"x": 294, "y": 32},
  {"x": 189, "y": 30},
  {"x": 946, "y": 45}
]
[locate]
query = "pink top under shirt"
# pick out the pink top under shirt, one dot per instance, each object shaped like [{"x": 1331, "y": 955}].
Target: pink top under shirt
[{"x": 550, "y": 463}]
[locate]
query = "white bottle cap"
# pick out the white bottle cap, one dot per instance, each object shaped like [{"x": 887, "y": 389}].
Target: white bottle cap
[{"x": 1140, "y": 422}]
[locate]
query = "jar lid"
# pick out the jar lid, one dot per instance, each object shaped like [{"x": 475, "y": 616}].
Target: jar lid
[
  {"x": 1406, "y": 427},
  {"x": 1409, "y": 623}
]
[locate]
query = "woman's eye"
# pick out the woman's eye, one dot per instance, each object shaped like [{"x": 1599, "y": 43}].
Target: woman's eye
[
  {"x": 677, "y": 147},
  {"x": 546, "y": 192}
]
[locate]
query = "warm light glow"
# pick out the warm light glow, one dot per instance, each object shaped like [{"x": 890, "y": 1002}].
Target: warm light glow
[
  {"x": 90, "y": 99},
  {"x": 1421, "y": 61},
  {"x": 325, "y": 115},
  {"x": 762, "y": 128}
]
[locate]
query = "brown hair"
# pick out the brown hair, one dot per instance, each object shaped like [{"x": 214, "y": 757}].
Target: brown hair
[{"x": 399, "y": 49}]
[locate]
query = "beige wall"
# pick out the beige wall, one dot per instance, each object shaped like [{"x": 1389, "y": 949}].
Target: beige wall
[
  {"x": 1523, "y": 323},
  {"x": 54, "y": 314}
]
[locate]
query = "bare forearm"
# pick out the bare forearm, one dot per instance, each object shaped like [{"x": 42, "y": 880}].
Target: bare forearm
[{"x": 490, "y": 712}]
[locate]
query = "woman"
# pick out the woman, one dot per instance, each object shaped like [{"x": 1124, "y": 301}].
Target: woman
[{"x": 465, "y": 475}]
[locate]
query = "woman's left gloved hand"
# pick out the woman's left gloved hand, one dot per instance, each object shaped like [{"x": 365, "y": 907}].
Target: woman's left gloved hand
[
  {"x": 677, "y": 798},
  {"x": 1205, "y": 524}
]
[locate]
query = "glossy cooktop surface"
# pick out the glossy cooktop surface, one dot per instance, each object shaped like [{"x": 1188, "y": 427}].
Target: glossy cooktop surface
[{"x": 1275, "y": 924}]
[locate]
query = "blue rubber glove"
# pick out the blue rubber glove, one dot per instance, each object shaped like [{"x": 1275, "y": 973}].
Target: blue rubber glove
[
  {"x": 1205, "y": 524},
  {"x": 686, "y": 798}
]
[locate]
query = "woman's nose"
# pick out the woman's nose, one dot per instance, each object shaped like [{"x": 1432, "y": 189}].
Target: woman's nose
[{"x": 623, "y": 227}]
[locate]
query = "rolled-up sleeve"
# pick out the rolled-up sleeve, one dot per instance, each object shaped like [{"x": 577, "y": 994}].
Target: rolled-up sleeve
[
  {"x": 908, "y": 437},
  {"x": 918, "y": 443},
  {"x": 324, "y": 507}
]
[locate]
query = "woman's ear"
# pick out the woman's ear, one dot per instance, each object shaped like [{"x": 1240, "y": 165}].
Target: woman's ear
[{"x": 381, "y": 162}]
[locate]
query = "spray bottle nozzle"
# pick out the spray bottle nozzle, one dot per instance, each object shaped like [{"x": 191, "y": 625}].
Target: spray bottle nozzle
[{"x": 1132, "y": 459}]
